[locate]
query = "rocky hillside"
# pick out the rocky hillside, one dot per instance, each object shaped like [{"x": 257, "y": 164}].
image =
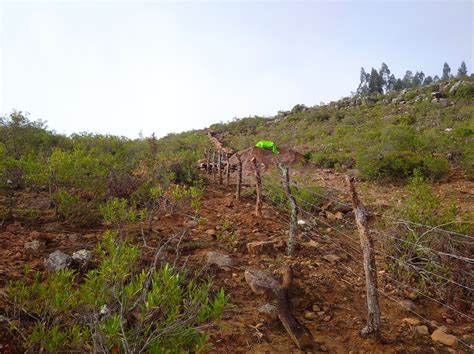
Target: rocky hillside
[{"x": 429, "y": 128}]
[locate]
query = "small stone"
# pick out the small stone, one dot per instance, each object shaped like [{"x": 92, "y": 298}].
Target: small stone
[
  {"x": 328, "y": 229},
  {"x": 439, "y": 335},
  {"x": 57, "y": 260},
  {"x": 323, "y": 348},
  {"x": 34, "y": 234},
  {"x": 72, "y": 238},
  {"x": 260, "y": 247},
  {"x": 332, "y": 258},
  {"x": 269, "y": 311},
  {"x": 316, "y": 308},
  {"x": 411, "y": 321},
  {"x": 82, "y": 257},
  {"x": 261, "y": 282},
  {"x": 223, "y": 261},
  {"x": 327, "y": 318},
  {"x": 211, "y": 232},
  {"x": 321, "y": 313},
  {"x": 34, "y": 247},
  {"x": 423, "y": 330},
  {"x": 309, "y": 315},
  {"x": 449, "y": 321}
]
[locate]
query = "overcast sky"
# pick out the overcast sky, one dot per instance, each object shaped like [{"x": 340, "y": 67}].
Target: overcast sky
[{"x": 126, "y": 67}]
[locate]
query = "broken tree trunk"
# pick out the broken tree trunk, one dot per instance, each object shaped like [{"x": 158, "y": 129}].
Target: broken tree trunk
[
  {"x": 294, "y": 209},
  {"x": 258, "y": 188},
  {"x": 239, "y": 179},
  {"x": 297, "y": 331},
  {"x": 227, "y": 172},
  {"x": 373, "y": 319},
  {"x": 219, "y": 166}
]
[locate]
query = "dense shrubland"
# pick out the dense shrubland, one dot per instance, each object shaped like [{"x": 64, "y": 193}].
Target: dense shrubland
[{"x": 123, "y": 303}]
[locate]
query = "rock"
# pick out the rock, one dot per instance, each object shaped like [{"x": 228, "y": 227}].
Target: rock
[
  {"x": 260, "y": 247},
  {"x": 408, "y": 305},
  {"x": 40, "y": 203},
  {"x": 423, "y": 330},
  {"x": 34, "y": 247},
  {"x": 332, "y": 258},
  {"x": 327, "y": 318},
  {"x": 439, "y": 335},
  {"x": 449, "y": 321},
  {"x": 82, "y": 257},
  {"x": 223, "y": 261},
  {"x": 411, "y": 321},
  {"x": 211, "y": 232},
  {"x": 455, "y": 87},
  {"x": 269, "y": 311},
  {"x": 34, "y": 234},
  {"x": 316, "y": 308},
  {"x": 309, "y": 315},
  {"x": 57, "y": 260},
  {"x": 323, "y": 348},
  {"x": 261, "y": 282},
  {"x": 72, "y": 238}
]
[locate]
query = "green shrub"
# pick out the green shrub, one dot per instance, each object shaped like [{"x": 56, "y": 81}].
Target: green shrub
[
  {"x": 115, "y": 306},
  {"x": 76, "y": 211}
]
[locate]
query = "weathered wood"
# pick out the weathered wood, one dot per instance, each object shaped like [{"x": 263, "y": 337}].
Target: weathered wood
[
  {"x": 373, "y": 319},
  {"x": 208, "y": 159},
  {"x": 239, "y": 178},
  {"x": 294, "y": 209},
  {"x": 297, "y": 331},
  {"x": 227, "y": 172},
  {"x": 258, "y": 188},
  {"x": 219, "y": 166},
  {"x": 213, "y": 166}
]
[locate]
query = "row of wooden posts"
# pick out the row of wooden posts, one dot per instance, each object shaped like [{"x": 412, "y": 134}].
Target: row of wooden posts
[{"x": 214, "y": 162}]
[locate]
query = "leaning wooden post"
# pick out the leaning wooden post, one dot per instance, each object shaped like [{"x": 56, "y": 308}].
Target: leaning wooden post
[
  {"x": 258, "y": 188},
  {"x": 373, "y": 319},
  {"x": 294, "y": 209},
  {"x": 239, "y": 178},
  {"x": 219, "y": 167},
  {"x": 227, "y": 172},
  {"x": 208, "y": 153}
]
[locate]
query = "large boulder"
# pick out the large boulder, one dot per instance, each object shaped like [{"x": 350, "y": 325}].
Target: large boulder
[{"x": 57, "y": 260}]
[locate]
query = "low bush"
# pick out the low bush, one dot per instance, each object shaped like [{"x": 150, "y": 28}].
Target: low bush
[{"x": 115, "y": 307}]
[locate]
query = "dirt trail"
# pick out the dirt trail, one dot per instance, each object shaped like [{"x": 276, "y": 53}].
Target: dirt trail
[{"x": 331, "y": 288}]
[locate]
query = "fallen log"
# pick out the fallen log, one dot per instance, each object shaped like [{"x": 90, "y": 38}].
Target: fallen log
[{"x": 297, "y": 331}]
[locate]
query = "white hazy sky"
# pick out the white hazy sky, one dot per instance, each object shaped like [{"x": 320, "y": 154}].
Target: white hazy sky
[{"x": 125, "y": 67}]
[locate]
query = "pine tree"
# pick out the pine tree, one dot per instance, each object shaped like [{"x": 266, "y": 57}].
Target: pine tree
[
  {"x": 462, "y": 71},
  {"x": 446, "y": 72}
]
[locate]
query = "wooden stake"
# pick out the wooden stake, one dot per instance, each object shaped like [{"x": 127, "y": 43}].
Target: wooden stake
[
  {"x": 294, "y": 209},
  {"x": 227, "y": 172},
  {"x": 219, "y": 167},
  {"x": 208, "y": 167},
  {"x": 239, "y": 178},
  {"x": 258, "y": 188},
  {"x": 213, "y": 166},
  {"x": 373, "y": 319}
]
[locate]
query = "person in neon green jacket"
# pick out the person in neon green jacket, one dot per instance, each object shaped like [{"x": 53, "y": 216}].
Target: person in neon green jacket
[{"x": 269, "y": 145}]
